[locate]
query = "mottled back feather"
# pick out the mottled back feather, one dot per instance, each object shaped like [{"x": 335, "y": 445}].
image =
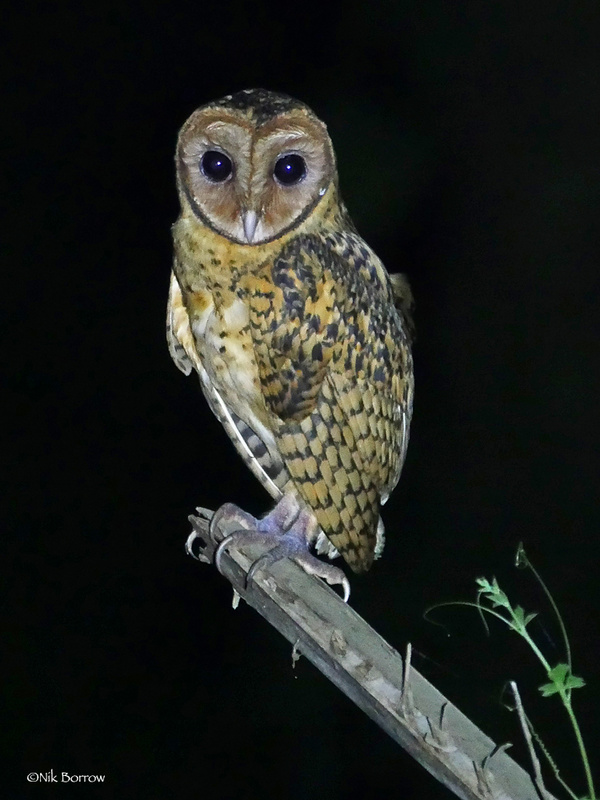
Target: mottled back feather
[{"x": 336, "y": 372}]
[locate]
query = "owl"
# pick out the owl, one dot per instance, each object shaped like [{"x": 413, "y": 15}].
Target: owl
[{"x": 300, "y": 338}]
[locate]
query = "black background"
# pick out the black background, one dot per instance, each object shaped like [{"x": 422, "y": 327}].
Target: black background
[{"x": 467, "y": 140}]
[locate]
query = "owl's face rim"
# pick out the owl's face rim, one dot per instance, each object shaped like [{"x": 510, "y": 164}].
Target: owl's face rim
[{"x": 251, "y": 206}]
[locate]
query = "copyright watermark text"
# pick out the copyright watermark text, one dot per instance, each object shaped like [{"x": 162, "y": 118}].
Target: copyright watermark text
[{"x": 62, "y": 777}]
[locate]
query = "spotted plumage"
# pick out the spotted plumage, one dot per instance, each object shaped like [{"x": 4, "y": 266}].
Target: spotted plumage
[{"x": 300, "y": 338}]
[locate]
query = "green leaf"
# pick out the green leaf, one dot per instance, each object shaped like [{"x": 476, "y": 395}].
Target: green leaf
[
  {"x": 561, "y": 678},
  {"x": 559, "y": 673},
  {"x": 493, "y": 593},
  {"x": 548, "y": 689},
  {"x": 518, "y": 617},
  {"x": 485, "y": 586}
]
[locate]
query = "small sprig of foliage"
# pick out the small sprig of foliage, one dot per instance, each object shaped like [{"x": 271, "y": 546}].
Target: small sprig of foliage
[{"x": 492, "y": 600}]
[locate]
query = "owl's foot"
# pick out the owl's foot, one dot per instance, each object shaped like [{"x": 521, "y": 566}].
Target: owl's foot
[
  {"x": 288, "y": 528},
  {"x": 293, "y": 545}
]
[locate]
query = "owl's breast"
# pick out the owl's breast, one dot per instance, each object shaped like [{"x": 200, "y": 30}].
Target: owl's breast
[{"x": 221, "y": 331}]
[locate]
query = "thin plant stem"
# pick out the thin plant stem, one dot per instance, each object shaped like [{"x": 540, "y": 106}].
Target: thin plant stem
[
  {"x": 522, "y": 556},
  {"x": 586, "y": 764}
]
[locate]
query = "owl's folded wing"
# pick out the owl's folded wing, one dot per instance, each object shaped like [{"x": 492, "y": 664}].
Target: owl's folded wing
[{"x": 335, "y": 369}]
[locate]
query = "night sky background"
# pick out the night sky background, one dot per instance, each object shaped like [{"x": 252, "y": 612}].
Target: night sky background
[{"x": 467, "y": 137}]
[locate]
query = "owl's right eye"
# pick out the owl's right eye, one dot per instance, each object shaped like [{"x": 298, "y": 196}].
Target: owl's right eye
[{"x": 216, "y": 166}]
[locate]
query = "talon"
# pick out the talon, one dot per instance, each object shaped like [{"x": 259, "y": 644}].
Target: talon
[
  {"x": 190, "y": 541},
  {"x": 261, "y": 562},
  {"x": 346, "y": 586},
  {"x": 333, "y": 576},
  {"x": 244, "y": 536},
  {"x": 224, "y": 544},
  {"x": 199, "y": 531}
]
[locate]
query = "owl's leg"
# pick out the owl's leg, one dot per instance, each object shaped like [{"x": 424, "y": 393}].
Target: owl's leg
[
  {"x": 288, "y": 527},
  {"x": 280, "y": 518}
]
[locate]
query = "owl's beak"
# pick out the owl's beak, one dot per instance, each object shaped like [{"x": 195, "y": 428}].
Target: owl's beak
[{"x": 250, "y": 221}]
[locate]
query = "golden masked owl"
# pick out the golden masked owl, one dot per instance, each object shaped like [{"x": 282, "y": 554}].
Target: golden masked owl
[{"x": 300, "y": 337}]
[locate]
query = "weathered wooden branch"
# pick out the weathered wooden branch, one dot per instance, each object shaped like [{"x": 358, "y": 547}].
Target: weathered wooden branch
[{"x": 371, "y": 673}]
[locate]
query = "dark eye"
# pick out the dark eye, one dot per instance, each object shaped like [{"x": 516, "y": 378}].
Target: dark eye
[
  {"x": 290, "y": 169},
  {"x": 216, "y": 166}
]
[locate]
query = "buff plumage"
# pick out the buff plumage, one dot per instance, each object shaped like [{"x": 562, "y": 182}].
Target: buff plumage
[{"x": 300, "y": 338}]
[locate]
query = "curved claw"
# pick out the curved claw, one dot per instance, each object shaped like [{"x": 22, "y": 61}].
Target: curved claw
[
  {"x": 188, "y": 544},
  {"x": 345, "y": 584},
  {"x": 333, "y": 576},
  {"x": 242, "y": 536},
  {"x": 221, "y": 549},
  {"x": 327, "y": 572},
  {"x": 259, "y": 564},
  {"x": 199, "y": 531}
]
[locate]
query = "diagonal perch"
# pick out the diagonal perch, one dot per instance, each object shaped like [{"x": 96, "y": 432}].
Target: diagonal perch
[{"x": 370, "y": 672}]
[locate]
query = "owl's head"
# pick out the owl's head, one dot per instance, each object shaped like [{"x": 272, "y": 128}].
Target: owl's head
[{"x": 254, "y": 164}]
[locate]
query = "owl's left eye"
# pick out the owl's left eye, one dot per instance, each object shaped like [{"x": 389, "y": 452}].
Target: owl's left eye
[
  {"x": 216, "y": 166},
  {"x": 290, "y": 169}
]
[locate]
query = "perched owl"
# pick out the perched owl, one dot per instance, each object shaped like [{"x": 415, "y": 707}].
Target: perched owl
[{"x": 299, "y": 336}]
